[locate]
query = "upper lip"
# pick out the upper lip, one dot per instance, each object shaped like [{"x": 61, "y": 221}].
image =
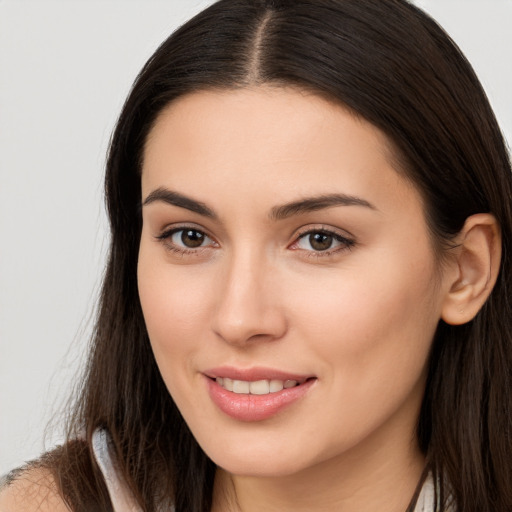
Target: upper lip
[{"x": 255, "y": 373}]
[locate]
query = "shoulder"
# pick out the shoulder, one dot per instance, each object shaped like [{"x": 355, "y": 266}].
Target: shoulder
[{"x": 31, "y": 489}]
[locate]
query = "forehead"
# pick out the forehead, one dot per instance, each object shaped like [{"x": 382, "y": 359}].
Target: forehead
[
  {"x": 270, "y": 140},
  {"x": 278, "y": 115}
]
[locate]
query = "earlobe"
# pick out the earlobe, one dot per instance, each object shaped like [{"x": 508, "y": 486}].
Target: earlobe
[{"x": 478, "y": 257}]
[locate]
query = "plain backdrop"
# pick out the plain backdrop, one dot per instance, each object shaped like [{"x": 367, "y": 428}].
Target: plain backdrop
[{"x": 65, "y": 69}]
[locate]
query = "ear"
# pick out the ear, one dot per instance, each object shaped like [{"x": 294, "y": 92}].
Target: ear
[{"x": 476, "y": 268}]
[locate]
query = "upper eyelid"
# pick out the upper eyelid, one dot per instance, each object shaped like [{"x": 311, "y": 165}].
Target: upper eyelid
[
  {"x": 173, "y": 228},
  {"x": 304, "y": 230}
]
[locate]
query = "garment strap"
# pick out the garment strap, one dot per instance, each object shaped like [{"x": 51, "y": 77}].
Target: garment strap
[
  {"x": 426, "y": 499},
  {"x": 121, "y": 497}
]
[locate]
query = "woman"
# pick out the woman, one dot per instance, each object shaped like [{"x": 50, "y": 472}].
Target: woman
[{"x": 306, "y": 304}]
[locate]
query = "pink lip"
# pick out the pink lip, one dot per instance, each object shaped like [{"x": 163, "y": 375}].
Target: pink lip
[
  {"x": 254, "y": 373},
  {"x": 246, "y": 407}
]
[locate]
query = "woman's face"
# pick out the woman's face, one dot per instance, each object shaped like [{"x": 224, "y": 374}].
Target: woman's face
[{"x": 287, "y": 280}]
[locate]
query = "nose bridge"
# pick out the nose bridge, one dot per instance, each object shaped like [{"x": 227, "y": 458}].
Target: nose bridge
[{"x": 247, "y": 303}]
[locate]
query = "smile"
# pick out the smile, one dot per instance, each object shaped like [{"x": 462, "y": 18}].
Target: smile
[
  {"x": 257, "y": 387},
  {"x": 257, "y": 394}
]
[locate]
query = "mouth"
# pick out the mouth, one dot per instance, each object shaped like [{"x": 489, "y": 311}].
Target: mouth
[
  {"x": 257, "y": 387},
  {"x": 256, "y": 394}
]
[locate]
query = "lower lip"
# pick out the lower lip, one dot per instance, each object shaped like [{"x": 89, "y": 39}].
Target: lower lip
[{"x": 245, "y": 407}]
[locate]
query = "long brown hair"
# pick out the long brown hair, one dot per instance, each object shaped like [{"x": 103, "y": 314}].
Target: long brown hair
[{"x": 394, "y": 66}]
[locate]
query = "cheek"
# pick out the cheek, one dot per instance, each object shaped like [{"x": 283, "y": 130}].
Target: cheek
[
  {"x": 374, "y": 324},
  {"x": 371, "y": 343},
  {"x": 174, "y": 305}
]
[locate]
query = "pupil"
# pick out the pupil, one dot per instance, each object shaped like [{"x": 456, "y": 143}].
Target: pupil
[
  {"x": 320, "y": 241},
  {"x": 192, "y": 238}
]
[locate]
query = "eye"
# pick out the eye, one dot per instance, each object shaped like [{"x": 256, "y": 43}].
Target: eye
[
  {"x": 317, "y": 241},
  {"x": 185, "y": 239},
  {"x": 322, "y": 241},
  {"x": 189, "y": 238}
]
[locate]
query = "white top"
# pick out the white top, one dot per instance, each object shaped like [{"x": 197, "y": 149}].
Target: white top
[
  {"x": 121, "y": 497},
  {"x": 123, "y": 501}
]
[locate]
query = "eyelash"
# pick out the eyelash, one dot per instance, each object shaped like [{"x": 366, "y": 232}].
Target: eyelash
[
  {"x": 166, "y": 239},
  {"x": 344, "y": 242}
]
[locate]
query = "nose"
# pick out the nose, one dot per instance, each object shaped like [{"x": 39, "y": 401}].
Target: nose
[{"x": 248, "y": 307}]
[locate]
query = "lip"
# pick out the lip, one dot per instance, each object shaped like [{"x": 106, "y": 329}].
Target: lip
[
  {"x": 254, "y": 373},
  {"x": 252, "y": 408}
]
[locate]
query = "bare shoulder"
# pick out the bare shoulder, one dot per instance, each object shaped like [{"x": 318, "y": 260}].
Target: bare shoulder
[{"x": 31, "y": 489}]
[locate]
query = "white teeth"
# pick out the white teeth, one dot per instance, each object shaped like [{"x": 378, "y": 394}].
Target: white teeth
[
  {"x": 258, "y": 387},
  {"x": 241, "y": 386},
  {"x": 276, "y": 385},
  {"x": 228, "y": 384}
]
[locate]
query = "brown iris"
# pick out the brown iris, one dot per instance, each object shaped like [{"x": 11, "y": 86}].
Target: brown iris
[
  {"x": 320, "y": 241},
  {"x": 192, "y": 238}
]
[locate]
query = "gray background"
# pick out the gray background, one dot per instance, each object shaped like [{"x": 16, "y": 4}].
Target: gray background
[{"x": 65, "y": 69}]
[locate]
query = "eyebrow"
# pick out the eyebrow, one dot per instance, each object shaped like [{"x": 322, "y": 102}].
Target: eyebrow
[
  {"x": 311, "y": 204},
  {"x": 170, "y": 197},
  {"x": 302, "y": 206}
]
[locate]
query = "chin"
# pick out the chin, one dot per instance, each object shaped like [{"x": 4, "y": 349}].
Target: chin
[
  {"x": 260, "y": 469},
  {"x": 255, "y": 460}
]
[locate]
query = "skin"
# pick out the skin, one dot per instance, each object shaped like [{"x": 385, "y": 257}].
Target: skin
[
  {"x": 359, "y": 317},
  {"x": 35, "y": 491}
]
